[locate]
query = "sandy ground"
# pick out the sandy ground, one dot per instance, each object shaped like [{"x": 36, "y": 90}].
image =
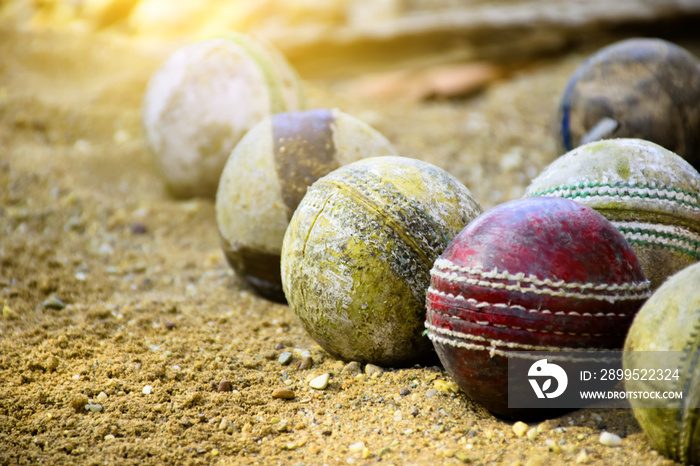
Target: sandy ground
[{"x": 109, "y": 287}]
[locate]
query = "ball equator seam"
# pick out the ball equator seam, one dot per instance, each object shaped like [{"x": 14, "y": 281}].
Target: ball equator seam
[
  {"x": 624, "y": 191},
  {"x": 479, "y": 277},
  {"x": 412, "y": 240},
  {"x": 496, "y": 347},
  {"x": 648, "y": 234},
  {"x": 485, "y": 304}
]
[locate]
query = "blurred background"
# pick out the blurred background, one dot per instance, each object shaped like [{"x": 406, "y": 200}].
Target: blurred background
[{"x": 333, "y": 38}]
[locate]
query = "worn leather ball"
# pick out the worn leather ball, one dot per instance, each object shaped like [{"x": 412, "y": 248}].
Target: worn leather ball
[
  {"x": 667, "y": 330},
  {"x": 649, "y": 193},
  {"x": 357, "y": 254},
  {"x": 266, "y": 177},
  {"x": 540, "y": 274},
  {"x": 637, "y": 88},
  {"x": 204, "y": 98}
]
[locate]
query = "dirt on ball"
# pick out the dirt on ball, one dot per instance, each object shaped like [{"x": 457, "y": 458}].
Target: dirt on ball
[{"x": 125, "y": 338}]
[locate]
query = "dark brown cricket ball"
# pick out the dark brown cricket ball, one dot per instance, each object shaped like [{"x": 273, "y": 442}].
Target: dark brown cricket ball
[{"x": 637, "y": 88}]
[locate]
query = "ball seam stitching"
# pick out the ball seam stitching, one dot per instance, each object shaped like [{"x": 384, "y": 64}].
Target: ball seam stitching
[
  {"x": 522, "y": 308},
  {"x": 681, "y": 197},
  {"x": 492, "y": 349},
  {"x": 486, "y": 323},
  {"x": 686, "y": 242},
  {"x": 558, "y": 288}
]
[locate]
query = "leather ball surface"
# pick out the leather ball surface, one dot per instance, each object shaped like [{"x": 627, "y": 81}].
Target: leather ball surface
[
  {"x": 357, "y": 255},
  {"x": 669, "y": 322},
  {"x": 266, "y": 177},
  {"x": 538, "y": 274},
  {"x": 636, "y": 88}
]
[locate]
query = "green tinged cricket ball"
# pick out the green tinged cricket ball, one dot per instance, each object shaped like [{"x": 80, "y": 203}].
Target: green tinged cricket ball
[
  {"x": 204, "y": 98},
  {"x": 669, "y": 322},
  {"x": 268, "y": 174},
  {"x": 357, "y": 255},
  {"x": 649, "y": 193}
]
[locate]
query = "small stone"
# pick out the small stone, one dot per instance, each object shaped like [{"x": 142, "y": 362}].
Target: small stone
[
  {"x": 520, "y": 428},
  {"x": 283, "y": 394},
  {"x": 170, "y": 325},
  {"x": 102, "y": 397},
  {"x": 320, "y": 382},
  {"x": 405, "y": 392},
  {"x": 282, "y": 426},
  {"x": 138, "y": 228},
  {"x": 53, "y": 303},
  {"x": 306, "y": 363},
  {"x": 109, "y": 437},
  {"x": 93, "y": 407},
  {"x": 51, "y": 363},
  {"x": 223, "y": 425},
  {"x": 431, "y": 393},
  {"x": 582, "y": 457},
  {"x": 224, "y": 386},
  {"x": 147, "y": 390},
  {"x": 446, "y": 386},
  {"x": 373, "y": 371},
  {"x": 314, "y": 449},
  {"x": 352, "y": 368},
  {"x": 285, "y": 358},
  {"x": 356, "y": 447},
  {"x": 552, "y": 446},
  {"x": 532, "y": 434},
  {"x": 610, "y": 440},
  {"x": 78, "y": 402}
]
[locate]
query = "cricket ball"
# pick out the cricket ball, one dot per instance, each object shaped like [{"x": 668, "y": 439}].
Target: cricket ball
[
  {"x": 357, "y": 254},
  {"x": 667, "y": 329},
  {"x": 649, "y": 193},
  {"x": 204, "y": 98},
  {"x": 266, "y": 177},
  {"x": 637, "y": 88},
  {"x": 540, "y": 274}
]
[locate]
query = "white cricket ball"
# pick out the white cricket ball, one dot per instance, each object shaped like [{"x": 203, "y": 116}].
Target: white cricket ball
[{"x": 204, "y": 98}]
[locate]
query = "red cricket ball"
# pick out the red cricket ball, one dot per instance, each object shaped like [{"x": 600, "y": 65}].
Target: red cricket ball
[{"x": 536, "y": 274}]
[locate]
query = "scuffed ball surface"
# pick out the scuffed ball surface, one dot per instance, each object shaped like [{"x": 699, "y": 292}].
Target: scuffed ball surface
[
  {"x": 204, "y": 98},
  {"x": 267, "y": 176},
  {"x": 357, "y": 255},
  {"x": 637, "y": 88}
]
